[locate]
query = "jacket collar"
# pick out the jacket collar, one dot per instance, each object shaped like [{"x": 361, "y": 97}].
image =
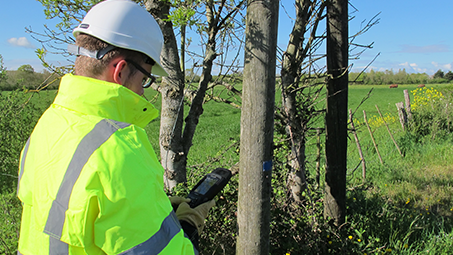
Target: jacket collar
[{"x": 104, "y": 99}]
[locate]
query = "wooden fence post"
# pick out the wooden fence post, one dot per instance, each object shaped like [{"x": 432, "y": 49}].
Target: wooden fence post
[
  {"x": 408, "y": 105},
  {"x": 388, "y": 129},
  {"x": 402, "y": 114},
  {"x": 372, "y": 137},
  {"x": 362, "y": 158}
]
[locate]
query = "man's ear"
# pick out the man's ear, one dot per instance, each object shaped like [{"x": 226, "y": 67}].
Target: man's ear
[{"x": 119, "y": 72}]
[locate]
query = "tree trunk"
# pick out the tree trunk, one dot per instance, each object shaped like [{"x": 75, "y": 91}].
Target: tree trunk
[
  {"x": 173, "y": 158},
  {"x": 290, "y": 79},
  {"x": 337, "y": 110},
  {"x": 196, "y": 108},
  {"x": 257, "y": 119},
  {"x": 176, "y": 143}
]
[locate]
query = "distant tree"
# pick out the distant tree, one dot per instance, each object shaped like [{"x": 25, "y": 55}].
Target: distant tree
[
  {"x": 438, "y": 74},
  {"x": 26, "y": 69},
  {"x": 3, "y": 76},
  {"x": 26, "y": 77},
  {"x": 401, "y": 77},
  {"x": 449, "y": 76}
]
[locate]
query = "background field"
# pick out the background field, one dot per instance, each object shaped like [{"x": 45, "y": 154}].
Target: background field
[{"x": 404, "y": 207}]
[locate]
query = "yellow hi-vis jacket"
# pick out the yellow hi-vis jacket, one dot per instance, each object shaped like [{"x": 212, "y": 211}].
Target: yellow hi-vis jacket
[{"x": 89, "y": 180}]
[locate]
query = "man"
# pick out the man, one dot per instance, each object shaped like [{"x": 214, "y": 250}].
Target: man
[{"x": 89, "y": 180}]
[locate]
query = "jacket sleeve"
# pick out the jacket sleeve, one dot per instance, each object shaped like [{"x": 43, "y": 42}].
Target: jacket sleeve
[{"x": 135, "y": 215}]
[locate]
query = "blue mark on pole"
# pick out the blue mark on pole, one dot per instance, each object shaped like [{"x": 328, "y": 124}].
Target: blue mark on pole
[{"x": 267, "y": 166}]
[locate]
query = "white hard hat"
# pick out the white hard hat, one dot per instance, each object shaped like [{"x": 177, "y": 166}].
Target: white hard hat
[{"x": 124, "y": 24}]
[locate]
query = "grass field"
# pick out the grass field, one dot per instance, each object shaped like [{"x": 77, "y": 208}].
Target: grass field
[{"x": 404, "y": 207}]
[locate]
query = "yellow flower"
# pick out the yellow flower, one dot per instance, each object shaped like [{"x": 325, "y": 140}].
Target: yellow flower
[
  {"x": 350, "y": 237},
  {"x": 406, "y": 246},
  {"x": 330, "y": 242},
  {"x": 359, "y": 240},
  {"x": 328, "y": 236}
]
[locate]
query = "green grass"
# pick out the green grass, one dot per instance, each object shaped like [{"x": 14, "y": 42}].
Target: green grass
[
  {"x": 218, "y": 128},
  {"x": 404, "y": 207}
]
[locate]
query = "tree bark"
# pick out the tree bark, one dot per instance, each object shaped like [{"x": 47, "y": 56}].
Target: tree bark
[
  {"x": 257, "y": 120},
  {"x": 173, "y": 157},
  {"x": 175, "y": 142},
  {"x": 290, "y": 79},
  {"x": 215, "y": 23},
  {"x": 337, "y": 110},
  {"x": 297, "y": 107}
]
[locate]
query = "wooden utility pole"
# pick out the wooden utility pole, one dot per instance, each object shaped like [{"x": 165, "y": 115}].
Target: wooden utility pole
[
  {"x": 257, "y": 121},
  {"x": 337, "y": 110}
]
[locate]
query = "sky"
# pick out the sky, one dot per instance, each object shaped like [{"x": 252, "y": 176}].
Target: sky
[{"x": 412, "y": 34}]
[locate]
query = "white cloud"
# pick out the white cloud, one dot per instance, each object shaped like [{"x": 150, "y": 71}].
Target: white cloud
[
  {"x": 421, "y": 70},
  {"x": 21, "y": 42},
  {"x": 407, "y": 64},
  {"x": 442, "y": 66},
  {"x": 414, "y": 67}
]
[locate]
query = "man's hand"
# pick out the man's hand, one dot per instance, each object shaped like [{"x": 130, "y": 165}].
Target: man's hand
[
  {"x": 195, "y": 216},
  {"x": 175, "y": 201}
]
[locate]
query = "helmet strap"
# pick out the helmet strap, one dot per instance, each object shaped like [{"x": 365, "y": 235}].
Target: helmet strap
[{"x": 97, "y": 54}]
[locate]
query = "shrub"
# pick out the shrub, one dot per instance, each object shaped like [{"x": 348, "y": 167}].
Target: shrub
[
  {"x": 10, "y": 218},
  {"x": 19, "y": 116},
  {"x": 432, "y": 114}
]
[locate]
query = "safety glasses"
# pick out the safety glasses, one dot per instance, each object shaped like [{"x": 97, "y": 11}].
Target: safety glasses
[{"x": 146, "y": 83}]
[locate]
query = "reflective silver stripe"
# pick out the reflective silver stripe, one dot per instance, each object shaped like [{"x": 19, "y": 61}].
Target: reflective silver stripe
[
  {"x": 22, "y": 163},
  {"x": 91, "y": 142},
  {"x": 156, "y": 243},
  {"x": 57, "y": 247}
]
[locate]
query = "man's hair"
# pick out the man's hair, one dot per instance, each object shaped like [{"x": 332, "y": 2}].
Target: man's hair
[{"x": 92, "y": 67}]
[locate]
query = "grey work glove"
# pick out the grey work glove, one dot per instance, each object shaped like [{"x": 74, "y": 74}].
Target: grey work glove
[
  {"x": 195, "y": 216},
  {"x": 176, "y": 201}
]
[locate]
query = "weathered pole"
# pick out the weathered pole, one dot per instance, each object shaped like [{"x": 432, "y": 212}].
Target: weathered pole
[
  {"x": 372, "y": 137},
  {"x": 388, "y": 129},
  {"x": 359, "y": 148},
  {"x": 257, "y": 121},
  {"x": 337, "y": 110},
  {"x": 408, "y": 105}
]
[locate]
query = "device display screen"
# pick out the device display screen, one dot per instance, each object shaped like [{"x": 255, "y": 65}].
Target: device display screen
[{"x": 207, "y": 184}]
